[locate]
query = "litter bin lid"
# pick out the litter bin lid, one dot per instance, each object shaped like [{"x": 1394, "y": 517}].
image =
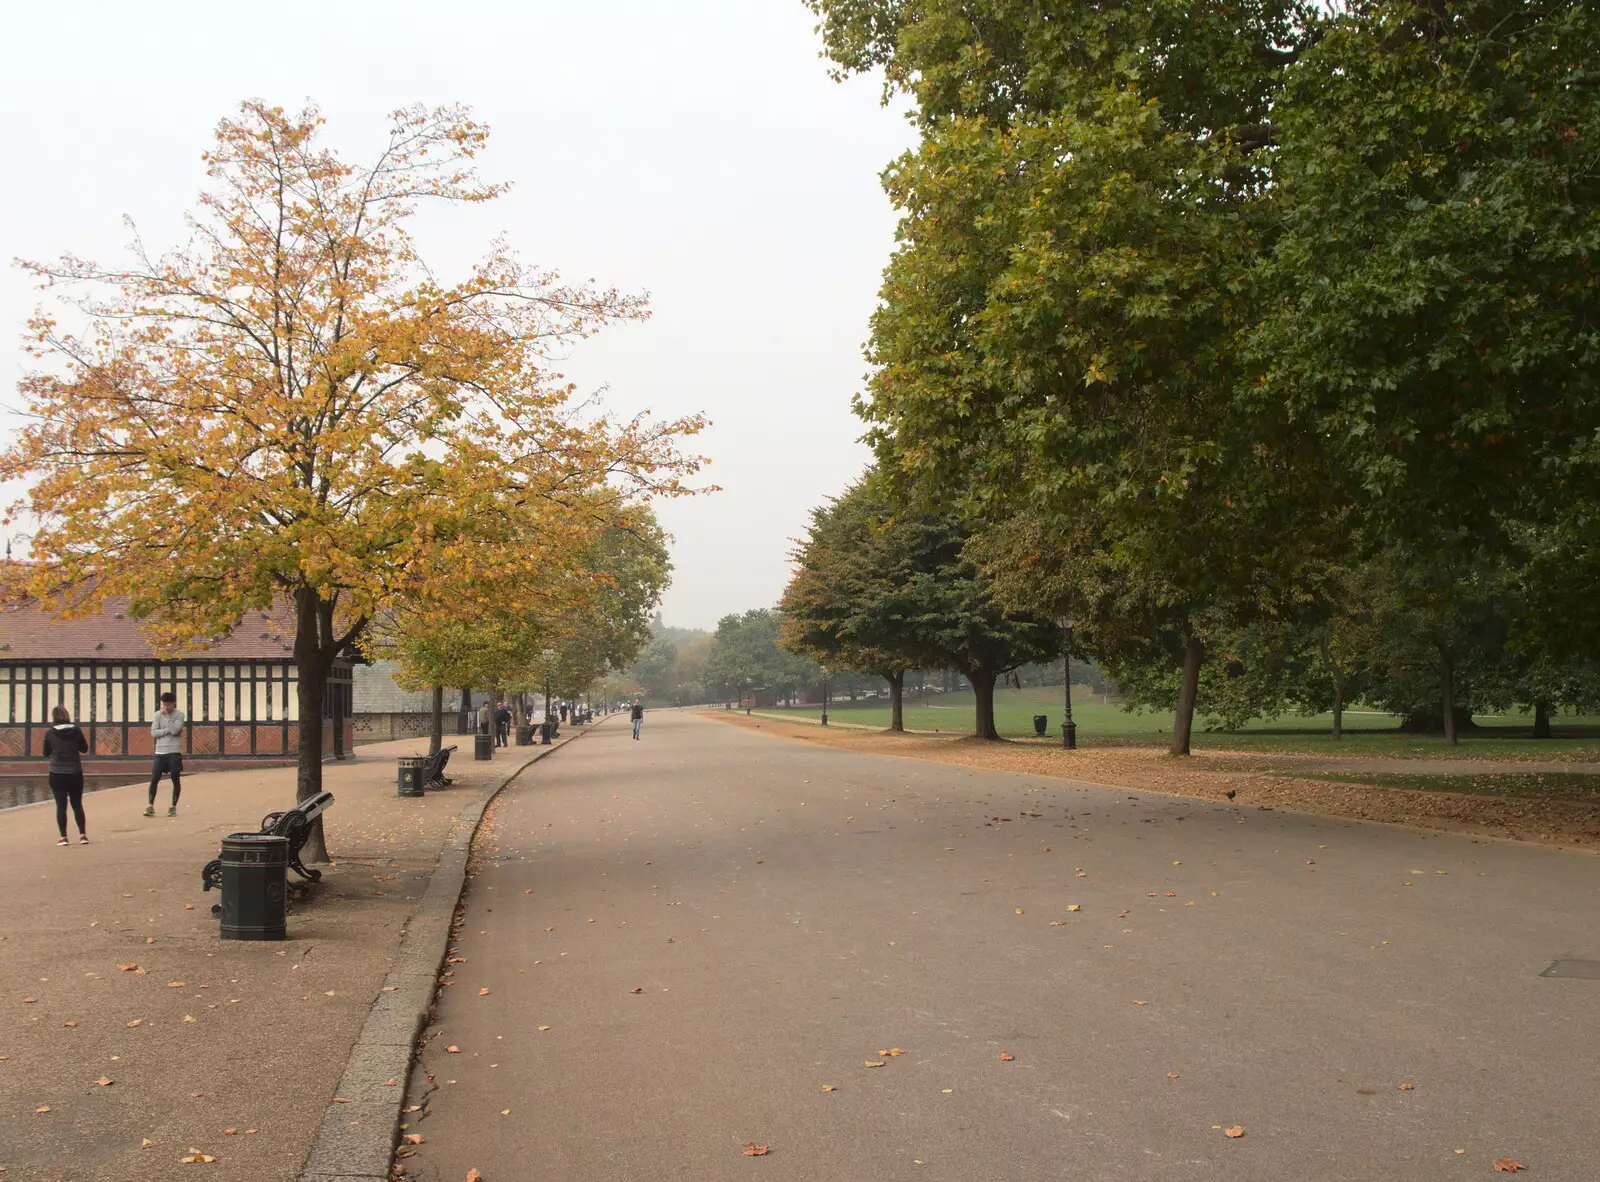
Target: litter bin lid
[
  {"x": 256, "y": 840},
  {"x": 413, "y": 760}
]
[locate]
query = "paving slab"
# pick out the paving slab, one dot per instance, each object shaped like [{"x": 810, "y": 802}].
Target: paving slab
[{"x": 233, "y": 1048}]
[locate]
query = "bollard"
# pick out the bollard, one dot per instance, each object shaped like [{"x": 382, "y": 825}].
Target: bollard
[
  {"x": 483, "y": 746},
  {"x": 1040, "y": 721},
  {"x": 254, "y": 867},
  {"x": 408, "y": 779}
]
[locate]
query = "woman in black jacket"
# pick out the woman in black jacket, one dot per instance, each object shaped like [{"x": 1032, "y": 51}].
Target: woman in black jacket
[{"x": 65, "y": 745}]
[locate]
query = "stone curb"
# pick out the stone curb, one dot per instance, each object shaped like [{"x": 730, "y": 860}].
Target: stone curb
[{"x": 357, "y": 1138}]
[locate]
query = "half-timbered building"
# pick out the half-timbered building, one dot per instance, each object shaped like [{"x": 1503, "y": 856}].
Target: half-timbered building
[{"x": 239, "y": 694}]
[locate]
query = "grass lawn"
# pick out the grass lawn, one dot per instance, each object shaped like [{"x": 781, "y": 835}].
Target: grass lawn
[{"x": 1366, "y": 733}]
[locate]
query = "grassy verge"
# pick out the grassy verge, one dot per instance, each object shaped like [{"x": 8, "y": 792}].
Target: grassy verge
[{"x": 1100, "y": 723}]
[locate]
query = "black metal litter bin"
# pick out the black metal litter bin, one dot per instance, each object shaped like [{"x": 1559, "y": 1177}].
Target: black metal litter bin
[
  {"x": 254, "y": 870},
  {"x": 525, "y": 735},
  {"x": 408, "y": 780},
  {"x": 1039, "y": 723},
  {"x": 544, "y": 733},
  {"x": 483, "y": 747}
]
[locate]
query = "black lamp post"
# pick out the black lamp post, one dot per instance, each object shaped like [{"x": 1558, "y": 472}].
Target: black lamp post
[
  {"x": 824, "y": 695},
  {"x": 1069, "y": 729},
  {"x": 549, "y": 656}
]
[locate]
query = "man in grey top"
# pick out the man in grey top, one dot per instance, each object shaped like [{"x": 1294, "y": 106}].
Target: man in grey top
[{"x": 167, "y": 729}]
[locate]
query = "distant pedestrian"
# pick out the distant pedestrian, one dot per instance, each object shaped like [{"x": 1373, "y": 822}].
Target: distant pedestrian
[
  {"x": 638, "y": 716},
  {"x": 167, "y": 730},
  {"x": 502, "y": 723},
  {"x": 486, "y": 719},
  {"x": 64, "y": 744},
  {"x": 563, "y": 712}
]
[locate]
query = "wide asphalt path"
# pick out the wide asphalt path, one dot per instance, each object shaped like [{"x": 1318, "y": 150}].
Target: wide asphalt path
[{"x": 687, "y": 941}]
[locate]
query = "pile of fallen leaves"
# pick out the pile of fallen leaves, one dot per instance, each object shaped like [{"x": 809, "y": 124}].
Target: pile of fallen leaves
[{"x": 1252, "y": 783}]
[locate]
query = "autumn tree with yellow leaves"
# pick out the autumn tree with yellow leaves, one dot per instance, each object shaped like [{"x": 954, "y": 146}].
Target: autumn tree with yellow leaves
[{"x": 292, "y": 406}]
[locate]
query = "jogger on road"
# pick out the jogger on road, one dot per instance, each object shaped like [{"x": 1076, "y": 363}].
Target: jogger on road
[
  {"x": 65, "y": 745},
  {"x": 167, "y": 727},
  {"x": 638, "y": 716}
]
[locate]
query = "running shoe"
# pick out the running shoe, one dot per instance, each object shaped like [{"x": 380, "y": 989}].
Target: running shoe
[
  {"x": 173, "y": 811},
  {"x": 151, "y": 811}
]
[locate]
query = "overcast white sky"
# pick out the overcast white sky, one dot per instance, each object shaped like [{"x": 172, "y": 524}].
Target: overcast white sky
[{"x": 695, "y": 149}]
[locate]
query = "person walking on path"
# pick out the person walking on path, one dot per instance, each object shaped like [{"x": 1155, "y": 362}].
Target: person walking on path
[
  {"x": 64, "y": 744},
  {"x": 167, "y": 729},
  {"x": 502, "y": 726},
  {"x": 638, "y": 716}
]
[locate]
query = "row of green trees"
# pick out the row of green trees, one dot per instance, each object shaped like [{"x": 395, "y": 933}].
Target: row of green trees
[{"x": 1246, "y": 336}]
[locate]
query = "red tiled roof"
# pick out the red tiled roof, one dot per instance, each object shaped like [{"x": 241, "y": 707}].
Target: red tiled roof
[{"x": 29, "y": 633}]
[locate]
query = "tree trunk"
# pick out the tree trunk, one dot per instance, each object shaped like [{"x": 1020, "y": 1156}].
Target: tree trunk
[
  {"x": 1447, "y": 696},
  {"x": 311, "y": 660},
  {"x": 1338, "y": 704},
  {"x": 464, "y": 721},
  {"x": 897, "y": 691},
  {"x": 982, "y": 683},
  {"x": 436, "y": 730},
  {"x": 1541, "y": 720},
  {"x": 1194, "y": 652}
]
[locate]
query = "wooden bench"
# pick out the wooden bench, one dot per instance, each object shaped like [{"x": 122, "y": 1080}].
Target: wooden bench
[
  {"x": 433, "y": 771},
  {"x": 294, "y": 824}
]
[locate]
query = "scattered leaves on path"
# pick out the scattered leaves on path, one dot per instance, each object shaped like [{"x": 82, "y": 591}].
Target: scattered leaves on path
[
  {"x": 751, "y": 1149},
  {"x": 1235, "y": 1131}
]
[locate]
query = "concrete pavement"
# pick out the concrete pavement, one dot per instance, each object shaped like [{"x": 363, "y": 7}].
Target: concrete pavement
[
  {"x": 232, "y": 1048},
  {"x": 675, "y": 947}
]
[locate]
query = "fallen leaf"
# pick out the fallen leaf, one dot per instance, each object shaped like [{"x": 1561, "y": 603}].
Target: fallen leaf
[
  {"x": 1141, "y": 1003},
  {"x": 529, "y": 890},
  {"x": 1170, "y": 894},
  {"x": 474, "y": 1176},
  {"x": 454, "y": 1050},
  {"x": 1172, "y": 1075},
  {"x": 1019, "y": 911},
  {"x": 751, "y": 1149},
  {"x": 829, "y": 1088},
  {"x": 413, "y": 1138},
  {"x": 145, "y": 1143},
  {"x": 135, "y": 1022},
  {"x": 1074, "y": 907},
  {"x": 42, "y": 1108},
  {"x": 1058, "y": 923},
  {"x": 340, "y": 1100},
  {"x": 195, "y": 1157},
  {"x": 483, "y": 993},
  {"x": 1236, "y": 1131},
  {"x": 543, "y": 1028},
  {"x": 413, "y": 1108},
  {"x": 69, "y": 1023},
  {"x": 188, "y": 1017},
  {"x": 174, "y": 984},
  {"x": 870, "y": 1063},
  {"x": 1504, "y": 1165},
  {"x": 229, "y": 1132},
  {"x": 505, "y": 1112},
  {"x": 127, "y": 968},
  {"x": 249, "y": 1132},
  {"x": 636, "y": 989},
  {"x": 1006, "y": 1056},
  {"x": 1406, "y": 1087},
  {"x": 28, "y": 1001},
  {"x": 104, "y": 1082}
]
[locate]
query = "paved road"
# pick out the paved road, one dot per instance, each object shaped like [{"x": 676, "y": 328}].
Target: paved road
[{"x": 721, "y": 923}]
